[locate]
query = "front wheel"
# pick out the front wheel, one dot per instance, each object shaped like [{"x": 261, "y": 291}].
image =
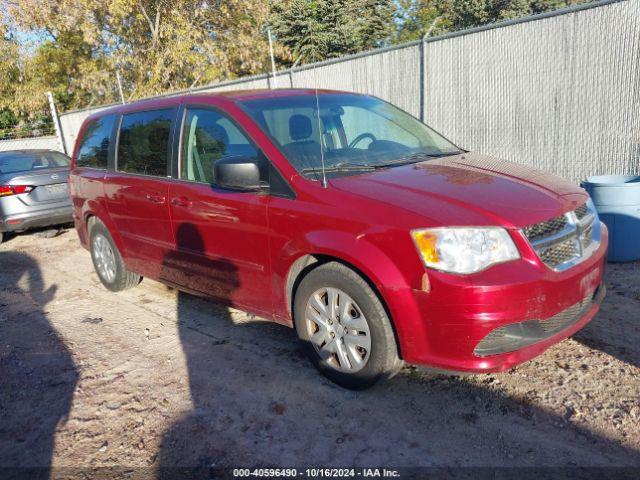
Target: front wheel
[
  {"x": 108, "y": 262},
  {"x": 344, "y": 327}
]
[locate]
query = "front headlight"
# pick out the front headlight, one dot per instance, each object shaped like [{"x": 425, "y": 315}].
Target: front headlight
[{"x": 464, "y": 250}]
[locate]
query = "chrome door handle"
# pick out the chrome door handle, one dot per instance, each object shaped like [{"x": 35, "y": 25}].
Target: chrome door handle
[
  {"x": 155, "y": 198},
  {"x": 181, "y": 202}
]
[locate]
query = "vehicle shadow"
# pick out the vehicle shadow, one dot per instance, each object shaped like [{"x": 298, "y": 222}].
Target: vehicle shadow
[
  {"x": 178, "y": 268},
  {"x": 616, "y": 328},
  {"x": 258, "y": 402},
  {"x": 37, "y": 372}
]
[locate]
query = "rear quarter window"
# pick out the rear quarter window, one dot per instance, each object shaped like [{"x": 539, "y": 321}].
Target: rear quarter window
[
  {"x": 143, "y": 143},
  {"x": 93, "y": 151}
]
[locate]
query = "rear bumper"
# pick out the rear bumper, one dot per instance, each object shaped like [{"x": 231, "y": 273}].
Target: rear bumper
[
  {"x": 443, "y": 328},
  {"x": 37, "y": 218}
]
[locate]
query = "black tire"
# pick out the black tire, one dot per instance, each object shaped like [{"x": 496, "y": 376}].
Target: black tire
[
  {"x": 384, "y": 361},
  {"x": 124, "y": 278}
]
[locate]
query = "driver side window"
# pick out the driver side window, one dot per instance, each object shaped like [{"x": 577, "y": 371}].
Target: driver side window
[
  {"x": 358, "y": 122},
  {"x": 209, "y": 136}
]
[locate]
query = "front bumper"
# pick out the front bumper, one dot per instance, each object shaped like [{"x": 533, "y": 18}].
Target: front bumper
[
  {"x": 37, "y": 218},
  {"x": 442, "y": 328},
  {"x": 516, "y": 336}
]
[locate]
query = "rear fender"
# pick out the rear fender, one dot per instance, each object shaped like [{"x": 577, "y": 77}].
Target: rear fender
[{"x": 95, "y": 208}]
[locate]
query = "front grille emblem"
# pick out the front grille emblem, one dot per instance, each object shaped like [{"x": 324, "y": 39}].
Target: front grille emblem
[{"x": 566, "y": 240}]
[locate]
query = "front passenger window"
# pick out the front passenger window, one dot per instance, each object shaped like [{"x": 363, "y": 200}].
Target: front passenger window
[{"x": 207, "y": 137}]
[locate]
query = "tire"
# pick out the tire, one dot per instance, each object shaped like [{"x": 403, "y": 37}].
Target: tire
[
  {"x": 339, "y": 348},
  {"x": 117, "y": 277}
]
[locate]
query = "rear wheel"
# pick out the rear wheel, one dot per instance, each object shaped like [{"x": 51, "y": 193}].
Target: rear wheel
[
  {"x": 108, "y": 262},
  {"x": 344, "y": 327}
]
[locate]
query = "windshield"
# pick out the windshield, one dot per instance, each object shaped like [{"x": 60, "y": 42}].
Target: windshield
[
  {"x": 358, "y": 132},
  {"x": 12, "y": 162}
]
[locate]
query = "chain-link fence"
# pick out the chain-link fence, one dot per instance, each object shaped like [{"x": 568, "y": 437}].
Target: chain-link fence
[
  {"x": 561, "y": 93},
  {"x": 558, "y": 91},
  {"x": 30, "y": 143}
]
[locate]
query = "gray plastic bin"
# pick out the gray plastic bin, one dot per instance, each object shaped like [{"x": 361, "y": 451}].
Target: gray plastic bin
[{"x": 617, "y": 199}]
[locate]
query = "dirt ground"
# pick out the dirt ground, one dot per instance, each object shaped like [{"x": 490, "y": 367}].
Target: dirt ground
[{"x": 150, "y": 377}]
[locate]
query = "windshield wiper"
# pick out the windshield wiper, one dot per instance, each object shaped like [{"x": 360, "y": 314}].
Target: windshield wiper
[
  {"x": 347, "y": 167},
  {"x": 447, "y": 154},
  {"x": 359, "y": 167},
  {"x": 406, "y": 160},
  {"x": 413, "y": 158}
]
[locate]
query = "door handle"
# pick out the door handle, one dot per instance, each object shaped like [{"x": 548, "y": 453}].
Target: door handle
[
  {"x": 181, "y": 202},
  {"x": 155, "y": 198}
]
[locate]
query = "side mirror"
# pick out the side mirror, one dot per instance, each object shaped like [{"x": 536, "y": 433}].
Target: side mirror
[{"x": 237, "y": 173}]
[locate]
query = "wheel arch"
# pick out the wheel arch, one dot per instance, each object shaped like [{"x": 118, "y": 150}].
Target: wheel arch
[
  {"x": 91, "y": 215},
  {"x": 304, "y": 264}
]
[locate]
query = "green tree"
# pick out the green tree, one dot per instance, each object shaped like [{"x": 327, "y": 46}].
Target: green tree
[
  {"x": 375, "y": 22},
  {"x": 416, "y": 17},
  {"x": 9, "y": 68},
  {"x": 320, "y": 29},
  {"x": 471, "y": 13}
]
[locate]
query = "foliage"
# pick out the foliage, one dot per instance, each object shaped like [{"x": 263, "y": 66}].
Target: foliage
[
  {"x": 315, "y": 30},
  {"x": 155, "y": 45},
  {"x": 417, "y": 17}
]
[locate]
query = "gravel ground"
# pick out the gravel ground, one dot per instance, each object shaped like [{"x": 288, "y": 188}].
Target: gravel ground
[{"x": 151, "y": 377}]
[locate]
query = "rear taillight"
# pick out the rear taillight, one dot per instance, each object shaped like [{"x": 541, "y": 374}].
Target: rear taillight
[{"x": 6, "y": 190}]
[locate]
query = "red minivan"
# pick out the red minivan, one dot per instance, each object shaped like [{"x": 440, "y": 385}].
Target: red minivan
[{"x": 343, "y": 216}]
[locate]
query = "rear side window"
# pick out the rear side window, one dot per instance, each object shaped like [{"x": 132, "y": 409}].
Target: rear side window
[
  {"x": 143, "y": 144},
  {"x": 94, "y": 146}
]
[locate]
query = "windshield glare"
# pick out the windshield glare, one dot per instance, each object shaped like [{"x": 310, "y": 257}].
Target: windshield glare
[{"x": 356, "y": 131}]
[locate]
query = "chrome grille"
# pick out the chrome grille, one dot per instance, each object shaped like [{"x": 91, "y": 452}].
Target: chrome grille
[
  {"x": 581, "y": 211},
  {"x": 564, "y": 241},
  {"x": 587, "y": 236},
  {"x": 559, "y": 253},
  {"x": 544, "y": 229}
]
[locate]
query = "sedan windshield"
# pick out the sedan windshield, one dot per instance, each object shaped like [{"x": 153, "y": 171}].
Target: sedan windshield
[
  {"x": 357, "y": 132},
  {"x": 11, "y": 162}
]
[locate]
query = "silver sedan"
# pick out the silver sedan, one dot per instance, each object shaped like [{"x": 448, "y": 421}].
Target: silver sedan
[{"x": 33, "y": 190}]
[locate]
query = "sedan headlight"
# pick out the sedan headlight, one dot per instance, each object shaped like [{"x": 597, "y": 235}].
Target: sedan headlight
[{"x": 464, "y": 250}]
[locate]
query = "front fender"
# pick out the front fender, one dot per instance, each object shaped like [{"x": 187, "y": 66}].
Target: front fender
[
  {"x": 357, "y": 251},
  {"x": 360, "y": 252}
]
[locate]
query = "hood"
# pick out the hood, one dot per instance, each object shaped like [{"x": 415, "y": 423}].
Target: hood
[{"x": 469, "y": 189}]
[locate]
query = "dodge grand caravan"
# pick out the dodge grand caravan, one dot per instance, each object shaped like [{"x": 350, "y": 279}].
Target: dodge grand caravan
[{"x": 344, "y": 217}]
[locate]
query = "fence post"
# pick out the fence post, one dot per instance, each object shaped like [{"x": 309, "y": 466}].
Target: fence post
[
  {"x": 291, "y": 71},
  {"x": 423, "y": 66},
  {"x": 120, "y": 87},
  {"x": 56, "y": 123},
  {"x": 422, "y": 77},
  {"x": 273, "y": 61}
]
